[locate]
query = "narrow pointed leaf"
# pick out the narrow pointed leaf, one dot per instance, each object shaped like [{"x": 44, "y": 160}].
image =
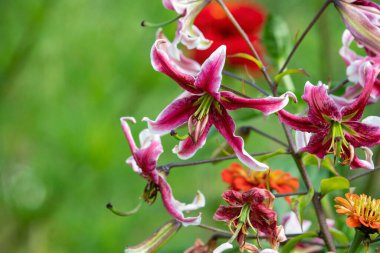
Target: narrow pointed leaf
[
  {"x": 279, "y": 77},
  {"x": 326, "y": 163},
  {"x": 157, "y": 239},
  {"x": 265, "y": 157},
  {"x": 289, "y": 246},
  {"x": 333, "y": 184},
  {"x": 300, "y": 204},
  {"x": 247, "y": 57},
  {"x": 276, "y": 38},
  {"x": 339, "y": 236}
]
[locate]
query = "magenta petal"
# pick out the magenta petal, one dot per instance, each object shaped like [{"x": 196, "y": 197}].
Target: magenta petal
[
  {"x": 127, "y": 132},
  {"x": 317, "y": 144},
  {"x": 303, "y": 124},
  {"x": 168, "y": 4},
  {"x": 188, "y": 148},
  {"x": 267, "y": 105},
  {"x": 322, "y": 108},
  {"x": 367, "y": 163},
  {"x": 227, "y": 213},
  {"x": 233, "y": 197},
  {"x": 147, "y": 156},
  {"x": 172, "y": 205},
  {"x": 163, "y": 62},
  {"x": 368, "y": 73},
  {"x": 363, "y": 135},
  {"x": 226, "y": 127},
  {"x": 210, "y": 76},
  {"x": 174, "y": 115}
]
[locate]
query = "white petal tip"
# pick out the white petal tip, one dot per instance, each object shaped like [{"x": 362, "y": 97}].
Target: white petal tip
[
  {"x": 223, "y": 247},
  {"x": 124, "y": 119},
  {"x": 291, "y": 95}
]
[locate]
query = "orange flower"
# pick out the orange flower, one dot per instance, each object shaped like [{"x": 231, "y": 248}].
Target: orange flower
[
  {"x": 240, "y": 179},
  {"x": 361, "y": 210}
]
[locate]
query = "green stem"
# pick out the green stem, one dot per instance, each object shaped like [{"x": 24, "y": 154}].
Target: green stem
[{"x": 359, "y": 236}]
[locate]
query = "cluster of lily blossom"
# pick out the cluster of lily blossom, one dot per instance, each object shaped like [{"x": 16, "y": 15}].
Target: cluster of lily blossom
[{"x": 333, "y": 125}]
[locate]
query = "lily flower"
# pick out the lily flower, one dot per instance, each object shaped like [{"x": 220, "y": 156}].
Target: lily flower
[
  {"x": 203, "y": 105},
  {"x": 363, "y": 212},
  {"x": 254, "y": 209},
  {"x": 354, "y": 63},
  {"x": 336, "y": 128},
  {"x": 362, "y": 18},
  {"x": 187, "y": 33},
  {"x": 144, "y": 162}
]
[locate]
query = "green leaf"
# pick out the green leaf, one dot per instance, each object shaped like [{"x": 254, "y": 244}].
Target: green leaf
[
  {"x": 279, "y": 77},
  {"x": 157, "y": 239},
  {"x": 309, "y": 159},
  {"x": 292, "y": 242},
  {"x": 276, "y": 38},
  {"x": 333, "y": 184},
  {"x": 339, "y": 236},
  {"x": 263, "y": 158},
  {"x": 300, "y": 204},
  {"x": 247, "y": 57}
]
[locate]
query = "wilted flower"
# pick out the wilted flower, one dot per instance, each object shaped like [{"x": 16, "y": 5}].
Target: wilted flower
[
  {"x": 354, "y": 63},
  {"x": 363, "y": 212},
  {"x": 362, "y": 18},
  {"x": 240, "y": 179},
  {"x": 144, "y": 162},
  {"x": 250, "y": 209},
  {"x": 217, "y": 27},
  {"x": 203, "y": 105},
  {"x": 187, "y": 33},
  {"x": 336, "y": 128}
]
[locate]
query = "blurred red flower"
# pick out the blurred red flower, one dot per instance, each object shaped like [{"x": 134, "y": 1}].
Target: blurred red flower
[
  {"x": 240, "y": 179},
  {"x": 216, "y": 26}
]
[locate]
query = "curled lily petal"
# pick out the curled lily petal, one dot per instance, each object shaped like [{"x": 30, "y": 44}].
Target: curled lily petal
[
  {"x": 354, "y": 111},
  {"x": 223, "y": 247},
  {"x": 187, "y": 33},
  {"x": 164, "y": 62},
  {"x": 183, "y": 63},
  {"x": 226, "y": 127},
  {"x": 172, "y": 206},
  {"x": 174, "y": 115},
  {"x": 300, "y": 123},
  {"x": 322, "y": 107},
  {"x": 198, "y": 202},
  {"x": 318, "y": 144},
  {"x": 210, "y": 76},
  {"x": 362, "y": 134},
  {"x": 267, "y": 105},
  {"x": 302, "y": 139},
  {"x": 227, "y": 213},
  {"x": 367, "y": 163}
]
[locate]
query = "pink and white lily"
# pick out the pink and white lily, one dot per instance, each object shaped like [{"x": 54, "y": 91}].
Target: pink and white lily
[
  {"x": 336, "y": 128},
  {"x": 354, "y": 62},
  {"x": 203, "y": 105},
  {"x": 144, "y": 162},
  {"x": 187, "y": 33},
  {"x": 362, "y": 18}
]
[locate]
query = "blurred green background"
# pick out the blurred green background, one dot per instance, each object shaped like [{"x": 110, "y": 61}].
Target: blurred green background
[{"x": 69, "y": 69}]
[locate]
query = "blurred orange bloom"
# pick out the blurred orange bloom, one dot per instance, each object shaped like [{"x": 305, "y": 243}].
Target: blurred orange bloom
[
  {"x": 240, "y": 179},
  {"x": 361, "y": 210}
]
